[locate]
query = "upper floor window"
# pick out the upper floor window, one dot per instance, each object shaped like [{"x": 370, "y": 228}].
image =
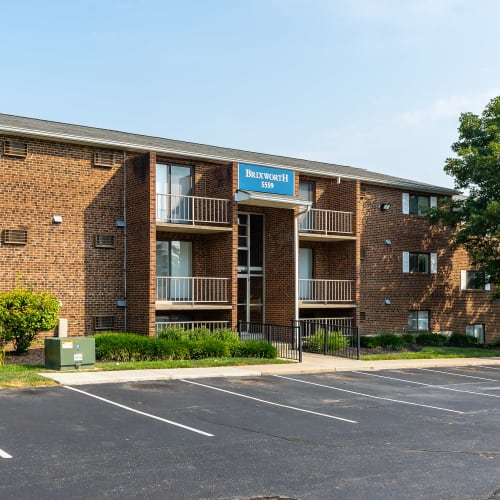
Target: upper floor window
[
  {"x": 416, "y": 204},
  {"x": 419, "y": 262},
  {"x": 173, "y": 193},
  {"x": 473, "y": 280}
]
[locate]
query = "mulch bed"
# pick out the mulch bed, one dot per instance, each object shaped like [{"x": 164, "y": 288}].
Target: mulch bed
[{"x": 34, "y": 356}]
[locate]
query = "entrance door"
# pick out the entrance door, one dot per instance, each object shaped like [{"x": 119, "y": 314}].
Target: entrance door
[
  {"x": 251, "y": 267},
  {"x": 174, "y": 270}
]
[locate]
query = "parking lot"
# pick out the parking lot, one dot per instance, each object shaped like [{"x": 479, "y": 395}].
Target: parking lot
[{"x": 415, "y": 433}]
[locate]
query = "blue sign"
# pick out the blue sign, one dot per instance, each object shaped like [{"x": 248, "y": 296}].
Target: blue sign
[{"x": 266, "y": 179}]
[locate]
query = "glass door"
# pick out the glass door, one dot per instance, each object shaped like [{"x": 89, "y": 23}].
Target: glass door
[
  {"x": 251, "y": 267},
  {"x": 174, "y": 193},
  {"x": 174, "y": 270},
  {"x": 305, "y": 274}
]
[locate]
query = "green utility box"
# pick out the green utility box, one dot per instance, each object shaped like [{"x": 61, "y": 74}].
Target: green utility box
[{"x": 69, "y": 353}]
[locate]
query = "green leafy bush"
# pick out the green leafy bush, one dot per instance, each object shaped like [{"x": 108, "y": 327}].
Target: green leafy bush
[
  {"x": 24, "y": 314},
  {"x": 256, "y": 349},
  {"x": 462, "y": 339},
  {"x": 409, "y": 338},
  {"x": 335, "y": 341},
  {"x": 433, "y": 339},
  {"x": 387, "y": 340},
  {"x": 124, "y": 347}
]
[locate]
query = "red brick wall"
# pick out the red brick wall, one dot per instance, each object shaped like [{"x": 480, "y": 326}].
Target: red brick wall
[{"x": 59, "y": 179}]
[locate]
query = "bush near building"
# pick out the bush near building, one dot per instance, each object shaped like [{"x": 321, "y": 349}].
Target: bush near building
[{"x": 179, "y": 345}]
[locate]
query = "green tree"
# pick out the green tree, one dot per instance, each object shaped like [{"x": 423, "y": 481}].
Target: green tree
[
  {"x": 476, "y": 169},
  {"x": 24, "y": 314}
]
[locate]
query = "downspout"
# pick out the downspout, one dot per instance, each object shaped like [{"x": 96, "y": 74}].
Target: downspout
[
  {"x": 125, "y": 238},
  {"x": 296, "y": 256}
]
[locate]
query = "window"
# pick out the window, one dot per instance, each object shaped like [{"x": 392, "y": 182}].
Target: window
[
  {"x": 419, "y": 262},
  {"x": 418, "y": 321},
  {"x": 15, "y": 237},
  {"x": 416, "y": 204},
  {"x": 104, "y": 322},
  {"x": 173, "y": 193},
  {"x": 15, "y": 148},
  {"x": 173, "y": 270},
  {"x": 306, "y": 284},
  {"x": 306, "y": 193},
  {"x": 473, "y": 280},
  {"x": 105, "y": 241},
  {"x": 476, "y": 331}
]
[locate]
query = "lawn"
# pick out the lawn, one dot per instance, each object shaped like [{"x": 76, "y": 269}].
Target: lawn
[
  {"x": 19, "y": 376},
  {"x": 436, "y": 352}
]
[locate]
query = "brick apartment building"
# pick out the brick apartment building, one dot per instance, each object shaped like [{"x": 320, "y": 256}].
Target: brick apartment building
[{"x": 132, "y": 232}]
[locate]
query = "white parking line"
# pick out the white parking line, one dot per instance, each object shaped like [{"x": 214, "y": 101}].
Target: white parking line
[
  {"x": 457, "y": 374},
  {"x": 489, "y": 367},
  {"x": 428, "y": 385},
  {"x": 4, "y": 454},
  {"x": 367, "y": 395},
  {"x": 149, "y": 415},
  {"x": 269, "y": 402}
]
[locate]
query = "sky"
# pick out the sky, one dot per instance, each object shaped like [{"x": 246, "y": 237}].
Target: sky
[{"x": 374, "y": 84}]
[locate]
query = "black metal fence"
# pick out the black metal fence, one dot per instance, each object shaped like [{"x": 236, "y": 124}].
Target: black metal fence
[
  {"x": 329, "y": 339},
  {"x": 286, "y": 338}
]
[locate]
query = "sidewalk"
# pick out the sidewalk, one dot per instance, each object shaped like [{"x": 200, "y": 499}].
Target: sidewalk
[{"x": 311, "y": 363}]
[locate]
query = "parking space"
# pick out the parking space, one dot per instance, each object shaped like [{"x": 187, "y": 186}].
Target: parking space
[{"x": 416, "y": 433}]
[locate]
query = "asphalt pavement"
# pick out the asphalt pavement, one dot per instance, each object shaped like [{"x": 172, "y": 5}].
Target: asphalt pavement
[{"x": 311, "y": 363}]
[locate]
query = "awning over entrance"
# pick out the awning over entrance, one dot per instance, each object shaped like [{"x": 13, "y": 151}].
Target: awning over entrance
[{"x": 270, "y": 200}]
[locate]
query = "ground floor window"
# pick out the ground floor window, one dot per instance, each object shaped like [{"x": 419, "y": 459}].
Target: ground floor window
[
  {"x": 418, "y": 321},
  {"x": 476, "y": 331}
]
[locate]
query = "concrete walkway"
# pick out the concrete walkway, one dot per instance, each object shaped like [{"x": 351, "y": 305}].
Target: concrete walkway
[{"x": 311, "y": 363}]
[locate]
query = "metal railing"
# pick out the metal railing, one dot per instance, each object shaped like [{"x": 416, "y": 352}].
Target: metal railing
[
  {"x": 192, "y": 290},
  {"x": 329, "y": 338},
  {"x": 190, "y": 325},
  {"x": 286, "y": 338},
  {"x": 322, "y": 221},
  {"x": 332, "y": 323},
  {"x": 325, "y": 291},
  {"x": 191, "y": 209}
]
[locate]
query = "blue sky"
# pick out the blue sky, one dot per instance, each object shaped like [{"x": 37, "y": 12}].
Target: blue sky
[{"x": 375, "y": 84}]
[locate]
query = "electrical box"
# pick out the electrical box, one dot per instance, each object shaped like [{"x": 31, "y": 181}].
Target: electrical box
[{"x": 69, "y": 353}]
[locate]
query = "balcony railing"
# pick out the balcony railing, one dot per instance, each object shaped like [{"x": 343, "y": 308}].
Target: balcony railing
[
  {"x": 179, "y": 209},
  {"x": 191, "y": 290},
  {"x": 326, "y": 222},
  {"x": 161, "y": 326},
  {"x": 330, "y": 323},
  {"x": 325, "y": 291}
]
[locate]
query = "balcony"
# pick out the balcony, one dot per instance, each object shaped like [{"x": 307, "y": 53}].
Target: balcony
[
  {"x": 191, "y": 214},
  {"x": 319, "y": 224},
  {"x": 173, "y": 292},
  {"x": 326, "y": 293},
  {"x": 161, "y": 326}
]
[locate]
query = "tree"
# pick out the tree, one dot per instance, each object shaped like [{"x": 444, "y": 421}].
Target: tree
[
  {"x": 24, "y": 314},
  {"x": 476, "y": 169}
]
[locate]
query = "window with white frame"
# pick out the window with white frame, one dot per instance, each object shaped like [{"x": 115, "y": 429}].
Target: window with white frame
[
  {"x": 419, "y": 262},
  {"x": 476, "y": 331},
  {"x": 418, "y": 321},
  {"x": 473, "y": 280},
  {"x": 418, "y": 204}
]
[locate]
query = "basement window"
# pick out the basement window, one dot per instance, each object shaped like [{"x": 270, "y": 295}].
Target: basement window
[
  {"x": 104, "y": 159},
  {"x": 104, "y": 322},
  {"x": 15, "y": 148},
  {"x": 15, "y": 237},
  {"x": 105, "y": 240}
]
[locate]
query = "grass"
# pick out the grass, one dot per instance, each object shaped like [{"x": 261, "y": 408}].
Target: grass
[
  {"x": 436, "y": 352},
  {"x": 22, "y": 376}
]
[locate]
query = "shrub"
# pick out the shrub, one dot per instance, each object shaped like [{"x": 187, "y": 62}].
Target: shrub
[
  {"x": 316, "y": 343},
  {"x": 433, "y": 339},
  {"x": 387, "y": 340},
  {"x": 256, "y": 349},
  {"x": 24, "y": 314},
  {"x": 209, "y": 347},
  {"x": 462, "y": 339},
  {"x": 409, "y": 338},
  {"x": 172, "y": 333}
]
